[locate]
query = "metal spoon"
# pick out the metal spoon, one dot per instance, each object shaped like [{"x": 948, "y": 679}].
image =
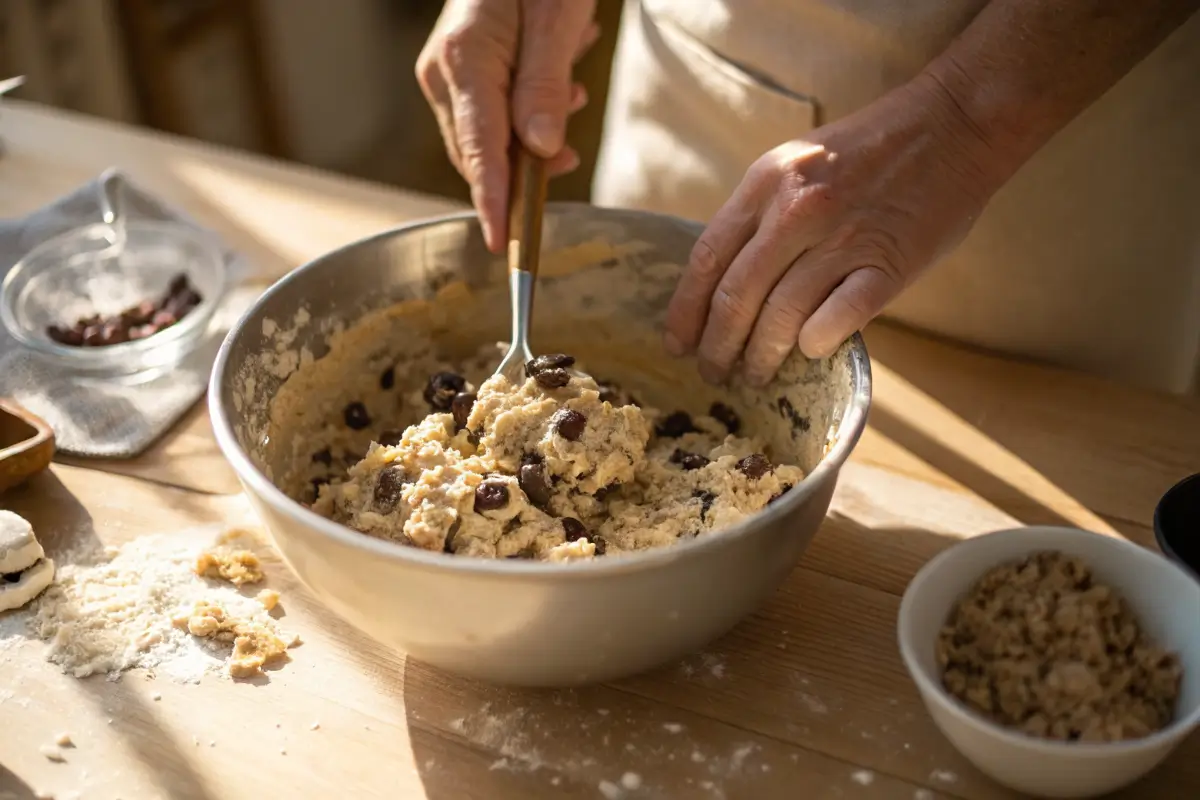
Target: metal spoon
[{"x": 526, "y": 205}]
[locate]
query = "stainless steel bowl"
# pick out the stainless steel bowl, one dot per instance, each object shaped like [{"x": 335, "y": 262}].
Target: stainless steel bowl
[{"x": 606, "y": 278}]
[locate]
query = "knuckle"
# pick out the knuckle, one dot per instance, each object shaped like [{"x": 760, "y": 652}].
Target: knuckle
[
  {"x": 704, "y": 263},
  {"x": 455, "y": 48},
  {"x": 728, "y": 305}
]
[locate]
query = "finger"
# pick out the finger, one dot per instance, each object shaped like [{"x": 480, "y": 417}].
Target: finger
[
  {"x": 481, "y": 124},
  {"x": 848, "y": 309},
  {"x": 798, "y": 294},
  {"x": 591, "y": 34},
  {"x": 437, "y": 93},
  {"x": 566, "y": 161},
  {"x": 726, "y": 234},
  {"x": 541, "y": 96},
  {"x": 579, "y": 98}
]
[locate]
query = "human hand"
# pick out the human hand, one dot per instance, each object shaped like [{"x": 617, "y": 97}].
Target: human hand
[
  {"x": 824, "y": 231},
  {"x": 494, "y": 66}
]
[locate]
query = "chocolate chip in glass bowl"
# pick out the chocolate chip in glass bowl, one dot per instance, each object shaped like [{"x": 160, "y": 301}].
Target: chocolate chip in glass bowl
[
  {"x": 599, "y": 543},
  {"x": 388, "y": 488},
  {"x": 490, "y": 496},
  {"x": 568, "y": 423},
  {"x": 356, "y": 416},
  {"x": 604, "y": 491},
  {"x": 442, "y": 388},
  {"x": 461, "y": 407},
  {"x": 787, "y": 487},
  {"x": 726, "y": 416},
  {"x": 689, "y": 461},
  {"x": 706, "y": 500},
  {"x": 387, "y": 378},
  {"x": 754, "y": 466},
  {"x": 323, "y": 457},
  {"x": 390, "y": 438},
  {"x": 675, "y": 425},
  {"x": 534, "y": 483},
  {"x": 573, "y": 529}
]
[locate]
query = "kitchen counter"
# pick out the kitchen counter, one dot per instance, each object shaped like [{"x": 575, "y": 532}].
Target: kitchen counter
[{"x": 805, "y": 699}]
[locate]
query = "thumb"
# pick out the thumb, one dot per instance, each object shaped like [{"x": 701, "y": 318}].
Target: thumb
[{"x": 541, "y": 95}]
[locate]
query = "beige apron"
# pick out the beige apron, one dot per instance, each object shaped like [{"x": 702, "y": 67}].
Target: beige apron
[{"x": 1088, "y": 258}]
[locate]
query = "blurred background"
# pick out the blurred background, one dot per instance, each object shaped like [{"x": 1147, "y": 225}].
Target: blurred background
[{"x": 327, "y": 83}]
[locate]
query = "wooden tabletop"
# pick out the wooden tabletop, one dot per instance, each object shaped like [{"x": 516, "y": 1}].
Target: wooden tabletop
[{"x": 805, "y": 699}]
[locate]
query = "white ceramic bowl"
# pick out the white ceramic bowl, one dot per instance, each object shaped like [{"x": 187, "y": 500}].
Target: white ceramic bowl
[{"x": 1167, "y": 602}]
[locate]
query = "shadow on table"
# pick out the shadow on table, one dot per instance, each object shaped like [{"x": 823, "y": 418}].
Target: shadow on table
[
  {"x": 67, "y": 534},
  {"x": 13, "y": 787}
]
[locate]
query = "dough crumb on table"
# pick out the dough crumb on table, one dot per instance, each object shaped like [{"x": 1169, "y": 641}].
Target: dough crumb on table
[
  {"x": 556, "y": 468},
  {"x": 1041, "y": 646},
  {"x": 256, "y": 644},
  {"x": 234, "y": 565}
]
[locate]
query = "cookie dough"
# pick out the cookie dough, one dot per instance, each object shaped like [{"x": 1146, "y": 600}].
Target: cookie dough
[
  {"x": 255, "y": 643},
  {"x": 1041, "y": 646},
  {"x": 25, "y": 571},
  {"x": 553, "y": 467}
]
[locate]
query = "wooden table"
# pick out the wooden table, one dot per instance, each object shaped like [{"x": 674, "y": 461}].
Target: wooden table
[{"x": 806, "y": 699}]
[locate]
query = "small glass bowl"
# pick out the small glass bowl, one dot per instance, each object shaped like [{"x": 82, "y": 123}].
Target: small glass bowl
[{"x": 105, "y": 269}]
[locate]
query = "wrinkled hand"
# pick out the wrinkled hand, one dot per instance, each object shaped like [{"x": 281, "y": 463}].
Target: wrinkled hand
[
  {"x": 494, "y": 66},
  {"x": 824, "y": 231}
]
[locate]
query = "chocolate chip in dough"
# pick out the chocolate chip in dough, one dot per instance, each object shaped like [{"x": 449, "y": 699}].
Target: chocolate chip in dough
[
  {"x": 490, "y": 496},
  {"x": 726, "y": 416},
  {"x": 387, "y": 378},
  {"x": 461, "y": 407},
  {"x": 675, "y": 425},
  {"x": 568, "y": 423},
  {"x": 388, "y": 488},
  {"x": 323, "y": 457},
  {"x": 599, "y": 543},
  {"x": 11, "y": 577},
  {"x": 442, "y": 388},
  {"x": 356, "y": 416},
  {"x": 787, "y": 487},
  {"x": 573, "y": 529},
  {"x": 390, "y": 438},
  {"x": 706, "y": 500},
  {"x": 548, "y": 362},
  {"x": 533, "y": 482},
  {"x": 604, "y": 491},
  {"x": 448, "y": 544},
  {"x": 754, "y": 466},
  {"x": 553, "y": 378},
  {"x": 689, "y": 461}
]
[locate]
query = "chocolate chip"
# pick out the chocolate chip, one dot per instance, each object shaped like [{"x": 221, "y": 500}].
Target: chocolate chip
[
  {"x": 573, "y": 529},
  {"x": 388, "y": 488},
  {"x": 68, "y": 336},
  {"x": 93, "y": 335},
  {"x": 323, "y": 457},
  {"x": 461, "y": 407},
  {"x": 787, "y": 487},
  {"x": 568, "y": 423},
  {"x": 533, "y": 482},
  {"x": 141, "y": 314},
  {"x": 387, "y": 378},
  {"x": 599, "y": 543},
  {"x": 676, "y": 425},
  {"x": 787, "y": 410},
  {"x": 524, "y": 554},
  {"x": 11, "y": 577},
  {"x": 390, "y": 438},
  {"x": 178, "y": 284},
  {"x": 163, "y": 319},
  {"x": 142, "y": 331},
  {"x": 754, "y": 466},
  {"x": 490, "y": 496},
  {"x": 442, "y": 388},
  {"x": 604, "y": 491},
  {"x": 688, "y": 461},
  {"x": 317, "y": 483},
  {"x": 531, "y": 458},
  {"x": 726, "y": 416},
  {"x": 553, "y": 378},
  {"x": 448, "y": 545},
  {"x": 706, "y": 500},
  {"x": 356, "y": 416},
  {"x": 114, "y": 333},
  {"x": 546, "y": 362}
]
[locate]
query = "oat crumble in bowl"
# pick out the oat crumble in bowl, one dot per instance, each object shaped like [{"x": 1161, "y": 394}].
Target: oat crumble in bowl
[{"x": 554, "y": 468}]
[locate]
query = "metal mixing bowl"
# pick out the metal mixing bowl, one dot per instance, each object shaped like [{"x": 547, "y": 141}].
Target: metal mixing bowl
[{"x": 606, "y": 278}]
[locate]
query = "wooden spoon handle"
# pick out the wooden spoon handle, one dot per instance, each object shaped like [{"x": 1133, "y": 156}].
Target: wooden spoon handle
[{"x": 526, "y": 205}]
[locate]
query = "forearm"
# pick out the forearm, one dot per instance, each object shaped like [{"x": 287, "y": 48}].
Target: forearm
[{"x": 1023, "y": 69}]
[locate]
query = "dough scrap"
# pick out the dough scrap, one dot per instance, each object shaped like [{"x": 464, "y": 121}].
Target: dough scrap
[
  {"x": 256, "y": 644},
  {"x": 236, "y": 566},
  {"x": 1041, "y": 646}
]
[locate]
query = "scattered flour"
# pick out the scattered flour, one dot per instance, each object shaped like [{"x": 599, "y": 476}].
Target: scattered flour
[
  {"x": 610, "y": 790},
  {"x": 863, "y": 777},
  {"x": 922, "y": 794},
  {"x": 113, "y": 612},
  {"x": 631, "y": 781},
  {"x": 943, "y": 776},
  {"x": 672, "y": 727}
]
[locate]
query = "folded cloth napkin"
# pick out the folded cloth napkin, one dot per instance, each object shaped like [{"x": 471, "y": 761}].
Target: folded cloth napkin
[{"x": 112, "y": 417}]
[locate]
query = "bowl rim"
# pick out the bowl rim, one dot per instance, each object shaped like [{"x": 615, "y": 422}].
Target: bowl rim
[
  {"x": 847, "y": 434},
  {"x": 1160, "y": 533},
  {"x": 190, "y": 328},
  {"x": 930, "y": 689}
]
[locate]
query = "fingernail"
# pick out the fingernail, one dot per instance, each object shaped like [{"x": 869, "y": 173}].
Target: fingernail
[
  {"x": 673, "y": 345},
  {"x": 542, "y": 134}
]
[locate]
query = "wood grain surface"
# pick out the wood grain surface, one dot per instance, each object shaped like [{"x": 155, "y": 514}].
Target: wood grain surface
[{"x": 805, "y": 699}]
